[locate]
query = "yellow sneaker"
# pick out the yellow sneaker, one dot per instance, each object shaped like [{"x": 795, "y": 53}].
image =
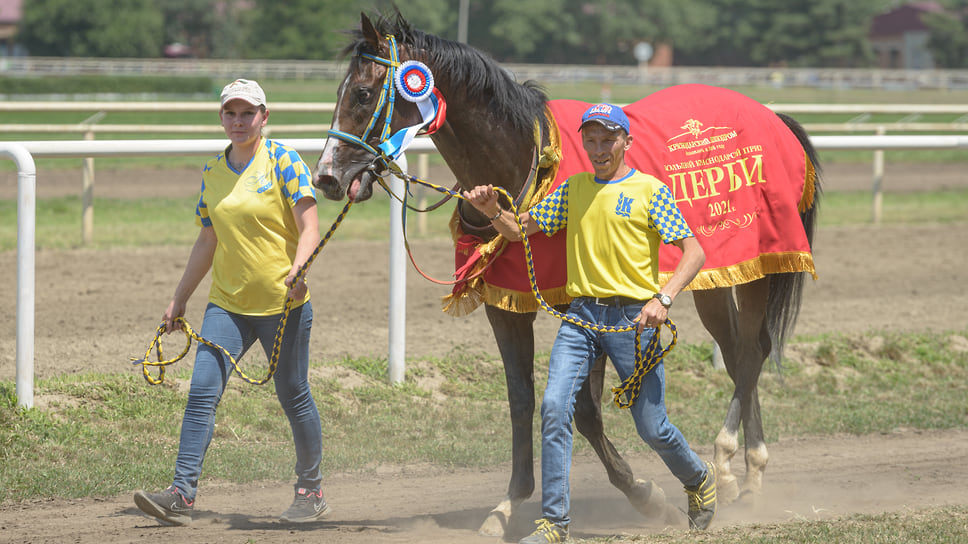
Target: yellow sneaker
[
  {"x": 702, "y": 500},
  {"x": 547, "y": 532}
]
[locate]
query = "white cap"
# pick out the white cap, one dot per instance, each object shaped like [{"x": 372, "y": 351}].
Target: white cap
[{"x": 244, "y": 89}]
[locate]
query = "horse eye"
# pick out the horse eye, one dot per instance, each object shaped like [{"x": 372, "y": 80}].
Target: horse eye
[{"x": 363, "y": 95}]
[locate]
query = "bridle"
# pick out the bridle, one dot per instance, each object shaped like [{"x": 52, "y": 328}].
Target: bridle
[{"x": 386, "y": 151}]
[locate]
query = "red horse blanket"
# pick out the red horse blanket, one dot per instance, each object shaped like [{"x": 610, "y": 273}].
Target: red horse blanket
[{"x": 738, "y": 174}]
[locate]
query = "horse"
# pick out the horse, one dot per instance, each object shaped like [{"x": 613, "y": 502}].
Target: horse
[{"x": 495, "y": 130}]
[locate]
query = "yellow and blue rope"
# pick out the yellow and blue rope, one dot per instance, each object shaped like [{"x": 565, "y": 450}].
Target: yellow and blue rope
[{"x": 190, "y": 333}]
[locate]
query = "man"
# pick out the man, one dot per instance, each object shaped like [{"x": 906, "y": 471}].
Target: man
[{"x": 616, "y": 218}]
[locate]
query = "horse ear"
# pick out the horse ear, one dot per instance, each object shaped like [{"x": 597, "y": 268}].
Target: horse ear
[{"x": 369, "y": 32}]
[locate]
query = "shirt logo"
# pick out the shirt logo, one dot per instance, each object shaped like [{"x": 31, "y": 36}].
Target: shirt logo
[
  {"x": 624, "y": 206},
  {"x": 257, "y": 183}
]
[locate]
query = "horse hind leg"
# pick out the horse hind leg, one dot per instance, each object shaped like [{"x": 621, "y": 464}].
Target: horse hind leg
[
  {"x": 739, "y": 327},
  {"x": 645, "y": 496},
  {"x": 514, "y": 333},
  {"x": 756, "y": 344}
]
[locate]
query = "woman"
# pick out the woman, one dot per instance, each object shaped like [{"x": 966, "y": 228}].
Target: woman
[{"x": 259, "y": 226}]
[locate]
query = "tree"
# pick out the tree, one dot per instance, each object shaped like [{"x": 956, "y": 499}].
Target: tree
[
  {"x": 788, "y": 32},
  {"x": 316, "y": 29},
  {"x": 92, "y": 28},
  {"x": 949, "y": 35}
]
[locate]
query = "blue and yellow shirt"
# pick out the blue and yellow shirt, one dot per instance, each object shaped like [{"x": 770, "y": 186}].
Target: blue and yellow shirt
[
  {"x": 614, "y": 230},
  {"x": 251, "y": 212}
]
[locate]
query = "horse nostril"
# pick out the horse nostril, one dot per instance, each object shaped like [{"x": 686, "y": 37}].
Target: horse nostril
[{"x": 324, "y": 181}]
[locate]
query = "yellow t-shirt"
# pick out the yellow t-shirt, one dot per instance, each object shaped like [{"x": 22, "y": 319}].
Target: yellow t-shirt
[
  {"x": 251, "y": 212},
  {"x": 614, "y": 230}
]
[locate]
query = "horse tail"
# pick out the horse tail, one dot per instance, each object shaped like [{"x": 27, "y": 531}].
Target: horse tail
[{"x": 786, "y": 289}]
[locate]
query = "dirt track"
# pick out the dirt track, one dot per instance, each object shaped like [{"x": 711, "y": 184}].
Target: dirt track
[{"x": 95, "y": 309}]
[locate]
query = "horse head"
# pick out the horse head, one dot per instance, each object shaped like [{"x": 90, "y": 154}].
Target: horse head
[
  {"x": 487, "y": 136},
  {"x": 367, "y": 111}
]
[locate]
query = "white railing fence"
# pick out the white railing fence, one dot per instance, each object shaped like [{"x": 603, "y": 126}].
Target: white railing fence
[{"x": 23, "y": 153}]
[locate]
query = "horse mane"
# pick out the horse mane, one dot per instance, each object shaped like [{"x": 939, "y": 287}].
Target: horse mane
[{"x": 461, "y": 65}]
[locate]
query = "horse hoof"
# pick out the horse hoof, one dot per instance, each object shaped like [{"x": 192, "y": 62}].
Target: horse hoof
[
  {"x": 494, "y": 525},
  {"x": 727, "y": 490},
  {"x": 649, "y": 499}
]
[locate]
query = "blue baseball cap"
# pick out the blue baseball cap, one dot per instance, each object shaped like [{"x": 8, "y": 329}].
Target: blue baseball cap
[{"x": 611, "y": 117}]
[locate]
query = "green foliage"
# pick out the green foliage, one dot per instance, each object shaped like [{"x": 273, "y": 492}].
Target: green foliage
[
  {"x": 823, "y": 33},
  {"x": 828, "y": 33},
  {"x": 949, "y": 36},
  {"x": 92, "y": 28}
]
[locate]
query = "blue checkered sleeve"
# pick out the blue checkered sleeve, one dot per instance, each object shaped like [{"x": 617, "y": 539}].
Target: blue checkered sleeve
[
  {"x": 290, "y": 166},
  {"x": 666, "y": 217},
  {"x": 551, "y": 213}
]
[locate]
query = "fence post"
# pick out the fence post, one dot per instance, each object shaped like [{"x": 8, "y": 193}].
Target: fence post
[
  {"x": 878, "y": 196},
  {"x": 87, "y": 196}
]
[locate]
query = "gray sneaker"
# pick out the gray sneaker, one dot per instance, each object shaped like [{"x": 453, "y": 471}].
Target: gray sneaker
[
  {"x": 702, "y": 500},
  {"x": 169, "y": 505},
  {"x": 307, "y": 506}
]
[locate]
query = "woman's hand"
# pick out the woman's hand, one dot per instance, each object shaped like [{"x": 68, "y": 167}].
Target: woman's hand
[{"x": 175, "y": 309}]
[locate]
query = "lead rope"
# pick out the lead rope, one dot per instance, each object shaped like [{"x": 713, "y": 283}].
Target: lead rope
[
  {"x": 644, "y": 362},
  {"x": 632, "y": 385},
  {"x": 190, "y": 333}
]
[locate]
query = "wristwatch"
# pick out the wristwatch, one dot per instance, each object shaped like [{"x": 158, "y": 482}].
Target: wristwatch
[{"x": 664, "y": 299}]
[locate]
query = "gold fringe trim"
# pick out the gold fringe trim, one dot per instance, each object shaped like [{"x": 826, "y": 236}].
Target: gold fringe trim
[
  {"x": 466, "y": 301},
  {"x": 523, "y": 301},
  {"x": 747, "y": 271},
  {"x": 809, "y": 187},
  {"x": 475, "y": 292}
]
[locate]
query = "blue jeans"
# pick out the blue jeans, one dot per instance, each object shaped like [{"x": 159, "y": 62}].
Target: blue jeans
[
  {"x": 574, "y": 351},
  {"x": 236, "y": 333}
]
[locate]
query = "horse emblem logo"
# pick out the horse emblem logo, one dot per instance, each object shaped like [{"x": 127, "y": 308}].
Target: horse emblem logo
[{"x": 695, "y": 128}]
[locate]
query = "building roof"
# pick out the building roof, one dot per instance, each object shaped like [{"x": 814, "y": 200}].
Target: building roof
[
  {"x": 906, "y": 18},
  {"x": 11, "y": 11}
]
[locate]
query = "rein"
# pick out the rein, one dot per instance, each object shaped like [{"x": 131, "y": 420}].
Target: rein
[
  {"x": 190, "y": 333},
  {"x": 644, "y": 363}
]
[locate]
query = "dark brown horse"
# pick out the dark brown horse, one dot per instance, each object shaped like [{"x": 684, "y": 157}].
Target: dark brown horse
[{"x": 488, "y": 136}]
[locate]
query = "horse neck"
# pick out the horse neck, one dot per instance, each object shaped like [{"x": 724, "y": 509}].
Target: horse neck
[{"x": 481, "y": 149}]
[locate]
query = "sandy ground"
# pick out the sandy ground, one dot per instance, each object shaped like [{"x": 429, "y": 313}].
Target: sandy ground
[{"x": 96, "y": 309}]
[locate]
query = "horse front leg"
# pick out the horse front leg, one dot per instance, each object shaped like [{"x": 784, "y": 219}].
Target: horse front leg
[
  {"x": 514, "y": 333},
  {"x": 646, "y": 496}
]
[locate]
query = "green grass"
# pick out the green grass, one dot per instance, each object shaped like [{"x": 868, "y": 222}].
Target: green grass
[
  {"x": 325, "y": 91},
  {"x": 855, "y": 208},
  {"x": 170, "y": 221},
  {"x": 941, "y": 525},
  {"x": 452, "y": 412}
]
